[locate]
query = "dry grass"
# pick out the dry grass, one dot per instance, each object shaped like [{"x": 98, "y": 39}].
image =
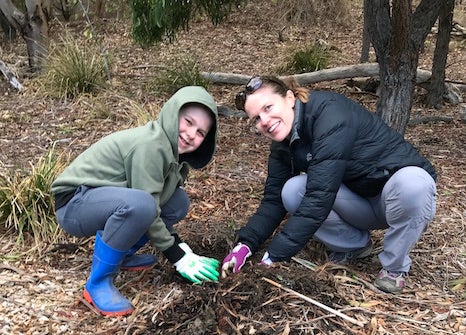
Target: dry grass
[
  {"x": 316, "y": 12},
  {"x": 26, "y": 202}
]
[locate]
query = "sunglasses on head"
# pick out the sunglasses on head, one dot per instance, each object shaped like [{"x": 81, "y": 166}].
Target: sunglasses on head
[{"x": 253, "y": 85}]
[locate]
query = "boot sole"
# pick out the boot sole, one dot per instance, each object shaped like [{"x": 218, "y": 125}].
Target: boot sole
[{"x": 88, "y": 298}]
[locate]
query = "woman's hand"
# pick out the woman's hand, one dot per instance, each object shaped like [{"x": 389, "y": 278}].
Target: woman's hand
[{"x": 235, "y": 259}]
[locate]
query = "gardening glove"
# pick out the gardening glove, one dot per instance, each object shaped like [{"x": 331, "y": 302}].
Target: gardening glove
[
  {"x": 236, "y": 259},
  {"x": 196, "y": 268},
  {"x": 266, "y": 260}
]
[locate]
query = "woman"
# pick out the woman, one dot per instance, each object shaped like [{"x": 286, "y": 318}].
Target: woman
[
  {"x": 125, "y": 189},
  {"x": 340, "y": 172}
]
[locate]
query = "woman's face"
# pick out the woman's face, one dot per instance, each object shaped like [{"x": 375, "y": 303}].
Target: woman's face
[
  {"x": 195, "y": 123},
  {"x": 271, "y": 113}
]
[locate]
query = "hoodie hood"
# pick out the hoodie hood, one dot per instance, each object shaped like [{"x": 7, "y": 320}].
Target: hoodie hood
[{"x": 169, "y": 121}]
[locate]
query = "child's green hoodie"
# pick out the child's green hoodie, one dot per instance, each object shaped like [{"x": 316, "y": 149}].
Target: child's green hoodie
[{"x": 144, "y": 158}]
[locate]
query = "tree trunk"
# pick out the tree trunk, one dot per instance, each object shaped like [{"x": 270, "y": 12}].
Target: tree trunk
[
  {"x": 9, "y": 30},
  {"x": 437, "y": 85},
  {"x": 33, "y": 26},
  {"x": 366, "y": 39},
  {"x": 397, "y": 40},
  {"x": 100, "y": 8},
  {"x": 37, "y": 32},
  {"x": 397, "y": 74}
]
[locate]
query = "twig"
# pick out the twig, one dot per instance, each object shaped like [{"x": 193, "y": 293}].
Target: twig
[
  {"x": 11, "y": 268},
  {"x": 312, "y": 301},
  {"x": 360, "y": 281},
  {"x": 305, "y": 263},
  {"x": 92, "y": 308}
]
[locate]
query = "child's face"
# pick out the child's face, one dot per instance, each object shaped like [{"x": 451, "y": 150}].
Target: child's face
[{"x": 195, "y": 123}]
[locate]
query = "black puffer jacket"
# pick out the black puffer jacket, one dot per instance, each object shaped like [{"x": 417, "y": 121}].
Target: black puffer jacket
[{"x": 334, "y": 140}]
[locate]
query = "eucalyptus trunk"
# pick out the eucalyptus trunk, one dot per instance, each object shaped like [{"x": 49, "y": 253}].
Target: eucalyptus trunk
[
  {"x": 32, "y": 25},
  {"x": 437, "y": 84},
  {"x": 397, "y": 34}
]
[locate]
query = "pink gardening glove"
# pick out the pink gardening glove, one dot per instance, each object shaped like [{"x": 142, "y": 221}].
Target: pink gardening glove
[{"x": 235, "y": 259}]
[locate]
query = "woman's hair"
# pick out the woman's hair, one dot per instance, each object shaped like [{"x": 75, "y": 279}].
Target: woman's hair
[
  {"x": 282, "y": 86},
  {"x": 278, "y": 86},
  {"x": 302, "y": 93}
]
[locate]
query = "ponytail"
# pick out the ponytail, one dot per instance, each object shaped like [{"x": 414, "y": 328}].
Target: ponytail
[{"x": 300, "y": 92}]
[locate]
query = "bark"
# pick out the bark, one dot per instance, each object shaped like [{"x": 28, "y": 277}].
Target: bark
[
  {"x": 33, "y": 26},
  {"x": 366, "y": 40},
  {"x": 66, "y": 8},
  {"x": 398, "y": 72},
  {"x": 437, "y": 87},
  {"x": 397, "y": 35},
  {"x": 8, "y": 29},
  {"x": 99, "y": 8},
  {"x": 37, "y": 32}
]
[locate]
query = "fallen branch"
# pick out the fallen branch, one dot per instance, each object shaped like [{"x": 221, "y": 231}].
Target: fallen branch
[
  {"x": 312, "y": 301},
  {"x": 10, "y": 76},
  {"x": 427, "y": 119},
  {"x": 342, "y": 72}
]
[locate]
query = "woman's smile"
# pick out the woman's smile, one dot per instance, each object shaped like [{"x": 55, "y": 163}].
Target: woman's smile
[{"x": 274, "y": 126}]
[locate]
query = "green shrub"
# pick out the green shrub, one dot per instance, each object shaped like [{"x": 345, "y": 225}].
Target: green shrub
[
  {"x": 312, "y": 59},
  {"x": 156, "y": 20},
  {"x": 183, "y": 73},
  {"x": 72, "y": 68},
  {"x": 26, "y": 202}
]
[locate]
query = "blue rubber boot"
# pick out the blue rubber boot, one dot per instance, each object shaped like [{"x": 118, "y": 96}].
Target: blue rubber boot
[
  {"x": 134, "y": 262},
  {"x": 99, "y": 289}
]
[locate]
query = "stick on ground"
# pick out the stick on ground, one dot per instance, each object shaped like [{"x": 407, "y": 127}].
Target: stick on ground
[{"x": 312, "y": 301}]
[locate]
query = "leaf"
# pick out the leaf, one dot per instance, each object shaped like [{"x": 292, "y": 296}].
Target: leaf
[{"x": 366, "y": 304}]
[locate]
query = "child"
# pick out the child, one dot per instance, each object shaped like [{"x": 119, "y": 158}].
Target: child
[{"x": 126, "y": 190}]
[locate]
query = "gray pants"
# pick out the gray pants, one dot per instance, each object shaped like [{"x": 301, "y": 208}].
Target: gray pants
[
  {"x": 405, "y": 207},
  {"x": 124, "y": 214}
]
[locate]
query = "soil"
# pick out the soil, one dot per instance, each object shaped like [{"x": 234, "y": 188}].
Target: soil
[{"x": 42, "y": 294}]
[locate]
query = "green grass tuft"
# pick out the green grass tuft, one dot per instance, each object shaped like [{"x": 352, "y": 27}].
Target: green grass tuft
[
  {"x": 183, "y": 73},
  {"x": 27, "y": 204},
  {"x": 72, "y": 69},
  {"x": 314, "y": 58}
]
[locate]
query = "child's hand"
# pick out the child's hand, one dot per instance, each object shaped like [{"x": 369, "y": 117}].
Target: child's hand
[{"x": 197, "y": 268}]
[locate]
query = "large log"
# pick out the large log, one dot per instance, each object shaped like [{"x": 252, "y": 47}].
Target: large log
[{"x": 343, "y": 72}]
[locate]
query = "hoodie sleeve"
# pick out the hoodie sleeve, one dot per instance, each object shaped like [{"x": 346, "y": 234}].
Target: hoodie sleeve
[{"x": 147, "y": 166}]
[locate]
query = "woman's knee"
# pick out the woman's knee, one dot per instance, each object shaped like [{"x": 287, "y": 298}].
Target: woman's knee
[
  {"x": 413, "y": 190},
  {"x": 410, "y": 182},
  {"x": 293, "y": 192}
]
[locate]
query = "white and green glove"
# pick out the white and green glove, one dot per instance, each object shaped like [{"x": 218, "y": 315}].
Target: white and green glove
[{"x": 196, "y": 268}]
